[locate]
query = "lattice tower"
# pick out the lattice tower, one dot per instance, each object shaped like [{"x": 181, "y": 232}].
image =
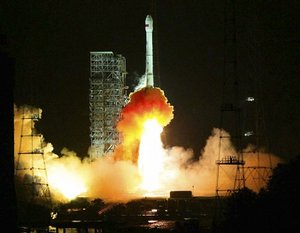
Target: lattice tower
[
  {"x": 30, "y": 167},
  {"x": 257, "y": 173},
  {"x": 230, "y": 162},
  {"x": 107, "y": 97}
]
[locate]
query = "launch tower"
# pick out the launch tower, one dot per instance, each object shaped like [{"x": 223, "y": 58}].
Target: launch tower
[
  {"x": 230, "y": 163},
  {"x": 259, "y": 171},
  {"x": 240, "y": 125},
  {"x": 107, "y": 97},
  {"x": 30, "y": 168}
]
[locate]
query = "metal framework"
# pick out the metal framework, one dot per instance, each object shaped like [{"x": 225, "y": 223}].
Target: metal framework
[
  {"x": 258, "y": 173},
  {"x": 230, "y": 163},
  {"x": 254, "y": 128},
  {"x": 107, "y": 97},
  {"x": 30, "y": 167},
  {"x": 233, "y": 131}
]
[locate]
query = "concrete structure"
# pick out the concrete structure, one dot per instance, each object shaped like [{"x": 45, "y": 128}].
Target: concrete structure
[{"x": 107, "y": 97}]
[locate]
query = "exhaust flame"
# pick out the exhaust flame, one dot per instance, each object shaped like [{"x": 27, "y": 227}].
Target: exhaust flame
[
  {"x": 142, "y": 122},
  {"x": 144, "y": 104},
  {"x": 150, "y": 162}
]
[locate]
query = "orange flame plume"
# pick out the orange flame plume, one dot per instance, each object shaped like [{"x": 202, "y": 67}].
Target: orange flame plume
[{"x": 144, "y": 104}]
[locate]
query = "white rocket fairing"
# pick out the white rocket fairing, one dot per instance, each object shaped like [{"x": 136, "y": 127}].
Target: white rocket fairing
[{"x": 149, "y": 52}]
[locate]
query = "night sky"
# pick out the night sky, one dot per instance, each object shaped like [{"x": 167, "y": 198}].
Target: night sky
[{"x": 51, "y": 40}]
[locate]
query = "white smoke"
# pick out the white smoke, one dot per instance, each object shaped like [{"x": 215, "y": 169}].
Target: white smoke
[
  {"x": 113, "y": 180},
  {"x": 141, "y": 83}
]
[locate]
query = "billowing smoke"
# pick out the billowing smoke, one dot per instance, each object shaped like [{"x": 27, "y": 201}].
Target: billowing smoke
[
  {"x": 184, "y": 173},
  {"x": 68, "y": 175},
  {"x": 117, "y": 177}
]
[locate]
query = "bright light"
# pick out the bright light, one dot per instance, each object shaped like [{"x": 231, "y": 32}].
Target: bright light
[
  {"x": 150, "y": 161},
  {"x": 250, "y": 99},
  {"x": 66, "y": 182},
  {"x": 248, "y": 133}
]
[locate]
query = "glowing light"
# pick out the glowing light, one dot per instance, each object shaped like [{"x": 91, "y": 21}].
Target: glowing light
[
  {"x": 248, "y": 133},
  {"x": 150, "y": 161},
  {"x": 250, "y": 99},
  {"x": 66, "y": 182}
]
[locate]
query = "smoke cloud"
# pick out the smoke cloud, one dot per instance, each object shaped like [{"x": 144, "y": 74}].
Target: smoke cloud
[{"x": 116, "y": 178}]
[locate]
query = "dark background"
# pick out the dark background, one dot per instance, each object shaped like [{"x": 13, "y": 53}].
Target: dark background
[{"x": 51, "y": 40}]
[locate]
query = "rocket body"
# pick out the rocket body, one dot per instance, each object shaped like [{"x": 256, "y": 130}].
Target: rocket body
[{"x": 149, "y": 51}]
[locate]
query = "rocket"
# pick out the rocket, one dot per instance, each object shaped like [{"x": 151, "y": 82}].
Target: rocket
[{"x": 149, "y": 52}]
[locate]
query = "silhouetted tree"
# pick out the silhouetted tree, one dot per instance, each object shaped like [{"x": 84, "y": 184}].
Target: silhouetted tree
[
  {"x": 238, "y": 211},
  {"x": 279, "y": 204}
]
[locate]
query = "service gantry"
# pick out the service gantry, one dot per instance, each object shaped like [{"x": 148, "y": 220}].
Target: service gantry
[{"x": 108, "y": 95}]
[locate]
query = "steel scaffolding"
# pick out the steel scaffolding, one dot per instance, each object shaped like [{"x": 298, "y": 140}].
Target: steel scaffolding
[
  {"x": 230, "y": 163},
  {"x": 107, "y": 97},
  {"x": 30, "y": 168}
]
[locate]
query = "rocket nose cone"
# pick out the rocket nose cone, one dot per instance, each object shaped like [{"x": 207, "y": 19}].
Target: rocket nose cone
[
  {"x": 148, "y": 18},
  {"x": 149, "y": 23}
]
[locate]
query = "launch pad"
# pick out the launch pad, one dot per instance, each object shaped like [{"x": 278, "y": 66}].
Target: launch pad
[{"x": 149, "y": 214}]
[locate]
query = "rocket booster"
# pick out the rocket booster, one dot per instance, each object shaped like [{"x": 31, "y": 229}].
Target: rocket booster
[{"x": 149, "y": 51}]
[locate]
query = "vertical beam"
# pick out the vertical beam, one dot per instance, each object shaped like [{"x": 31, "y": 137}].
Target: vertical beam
[{"x": 230, "y": 109}]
